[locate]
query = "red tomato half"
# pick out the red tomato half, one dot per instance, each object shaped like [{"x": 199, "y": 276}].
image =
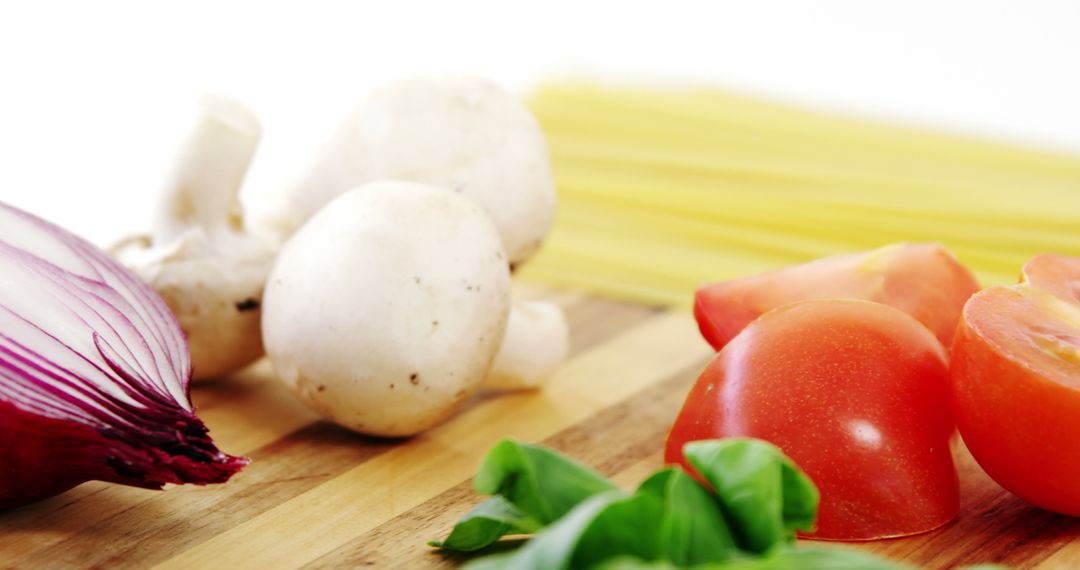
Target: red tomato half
[
  {"x": 856, "y": 393},
  {"x": 923, "y": 280},
  {"x": 1016, "y": 383}
]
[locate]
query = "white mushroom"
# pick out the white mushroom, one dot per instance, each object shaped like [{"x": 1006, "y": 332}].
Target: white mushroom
[
  {"x": 463, "y": 134},
  {"x": 384, "y": 311},
  {"x": 198, "y": 257},
  {"x": 536, "y": 343}
]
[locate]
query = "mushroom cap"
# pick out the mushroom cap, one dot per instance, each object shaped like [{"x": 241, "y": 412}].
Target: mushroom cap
[
  {"x": 384, "y": 311},
  {"x": 464, "y": 134},
  {"x": 214, "y": 288}
]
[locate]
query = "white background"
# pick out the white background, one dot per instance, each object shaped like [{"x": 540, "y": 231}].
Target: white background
[{"x": 92, "y": 94}]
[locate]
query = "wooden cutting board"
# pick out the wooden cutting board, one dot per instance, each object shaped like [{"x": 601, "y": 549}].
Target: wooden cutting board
[{"x": 318, "y": 496}]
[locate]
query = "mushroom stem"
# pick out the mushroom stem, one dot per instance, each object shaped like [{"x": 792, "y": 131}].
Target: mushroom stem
[{"x": 203, "y": 187}]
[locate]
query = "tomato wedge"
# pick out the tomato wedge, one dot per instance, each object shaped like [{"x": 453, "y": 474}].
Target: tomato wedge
[
  {"x": 923, "y": 280},
  {"x": 1015, "y": 378},
  {"x": 1057, "y": 274},
  {"x": 856, "y": 393}
]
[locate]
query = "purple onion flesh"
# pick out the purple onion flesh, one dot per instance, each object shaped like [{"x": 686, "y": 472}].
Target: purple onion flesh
[{"x": 94, "y": 373}]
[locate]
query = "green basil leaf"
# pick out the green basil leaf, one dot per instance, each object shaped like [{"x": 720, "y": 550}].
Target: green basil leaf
[
  {"x": 486, "y": 524},
  {"x": 552, "y": 548},
  {"x": 814, "y": 558},
  {"x": 542, "y": 483},
  {"x": 670, "y": 522},
  {"x": 693, "y": 529},
  {"x": 629, "y": 563},
  {"x": 801, "y": 497},
  {"x": 629, "y": 527},
  {"x": 657, "y": 483},
  {"x": 764, "y": 495}
]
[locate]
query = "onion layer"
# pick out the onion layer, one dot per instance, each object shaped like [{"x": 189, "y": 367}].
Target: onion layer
[{"x": 94, "y": 373}]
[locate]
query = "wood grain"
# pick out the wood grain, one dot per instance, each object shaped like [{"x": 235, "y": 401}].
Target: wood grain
[{"x": 316, "y": 496}]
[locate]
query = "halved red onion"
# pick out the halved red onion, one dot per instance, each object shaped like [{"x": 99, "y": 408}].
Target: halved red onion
[{"x": 94, "y": 373}]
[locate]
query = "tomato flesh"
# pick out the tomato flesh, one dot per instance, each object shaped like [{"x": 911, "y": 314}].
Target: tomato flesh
[
  {"x": 1015, "y": 379},
  {"x": 856, "y": 394},
  {"x": 923, "y": 280},
  {"x": 1057, "y": 274}
]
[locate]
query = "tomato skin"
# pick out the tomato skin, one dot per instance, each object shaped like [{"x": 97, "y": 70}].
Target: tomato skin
[
  {"x": 923, "y": 280},
  {"x": 1015, "y": 379},
  {"x": 856, "y": 394}
]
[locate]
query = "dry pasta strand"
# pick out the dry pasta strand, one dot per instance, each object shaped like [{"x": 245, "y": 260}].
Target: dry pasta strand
[{"x": 662, "y": 191}]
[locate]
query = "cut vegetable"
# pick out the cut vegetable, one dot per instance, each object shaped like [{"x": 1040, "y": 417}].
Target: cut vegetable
[
  {"x": 923, "y": 280},
  {"x": 94, "y": 373},
  {"x": 1016, "y": 383},
  {"x": 1057, "y": 274},
  {"x": 856, "y": 394}
]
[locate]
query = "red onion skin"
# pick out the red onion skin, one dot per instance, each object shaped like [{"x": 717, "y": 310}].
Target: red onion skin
[
  {"x": 150, "y": 438},
  {"x": 41, "y": 457}
]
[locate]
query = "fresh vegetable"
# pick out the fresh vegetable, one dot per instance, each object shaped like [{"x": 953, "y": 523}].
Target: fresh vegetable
[
  {"x": 669, "y": 521},
  {"x": 536, "y": 343},
  {"x": 459, "y": 133},
  {"x": 611, "y": 523},
  {"x": 923, "y": 280},
  {"x": 532, "y": 486},
  {"x": 486, "y": 524},
  {"x": 199, "y": 258},
  {"x": 768, "y": 498},
  {"x": 94, "y": 373},
  {"x": 810, "y": 558},
  {"x": 1015, "y": 379},
  {"x": 385, "y": 311},
  {"x": 1057, "y": 274},
  {"x": 688, "y": 533},
  {"x": 471, "y": 137},
  {"x": 856, "y": 394}
]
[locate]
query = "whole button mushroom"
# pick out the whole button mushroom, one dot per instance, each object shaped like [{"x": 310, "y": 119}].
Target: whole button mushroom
[
  {"x": 464, "y": 134},
  {"x": 385, "y": 310},
  {"x": 199, "y": 257}
]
